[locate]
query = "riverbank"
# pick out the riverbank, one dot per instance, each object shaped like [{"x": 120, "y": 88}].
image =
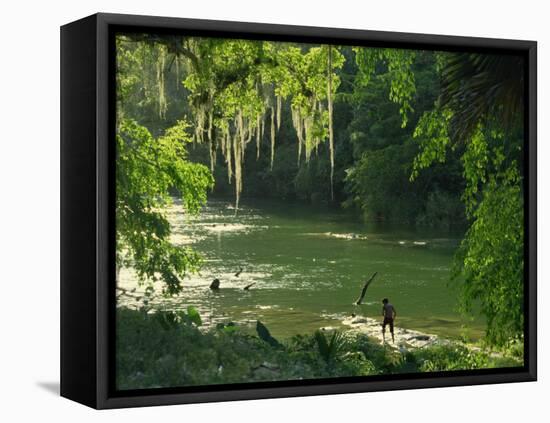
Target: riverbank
[
  {"x": 409, "y": 339},
  {"x": 406, "y": 338},
  {"x": 164, "y": 349}
]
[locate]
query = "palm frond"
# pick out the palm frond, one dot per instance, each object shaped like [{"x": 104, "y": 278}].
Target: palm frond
[
  {"x": 330, "y": 349},
  {"x": 478, "y": 87}
]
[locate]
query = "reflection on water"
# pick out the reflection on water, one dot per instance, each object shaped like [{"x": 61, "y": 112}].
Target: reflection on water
[{"x": 308, "y": 267}]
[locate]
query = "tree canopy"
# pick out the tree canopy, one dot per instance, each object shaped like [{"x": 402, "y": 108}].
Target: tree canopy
[{"x": 417, "y": 137}]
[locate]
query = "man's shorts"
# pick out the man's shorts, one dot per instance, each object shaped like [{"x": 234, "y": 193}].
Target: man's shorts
[{"x": 387, "y": 321}]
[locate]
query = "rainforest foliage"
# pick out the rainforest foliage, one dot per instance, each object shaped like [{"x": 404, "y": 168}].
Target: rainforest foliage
[
  {"x": 161, "y": 350},
  {"x": 422, "y": 138}
]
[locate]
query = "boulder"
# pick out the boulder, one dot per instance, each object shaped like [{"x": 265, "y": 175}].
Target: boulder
[
  {"x": 215, "y": 284},
  {"x": 420, "y": 337}
]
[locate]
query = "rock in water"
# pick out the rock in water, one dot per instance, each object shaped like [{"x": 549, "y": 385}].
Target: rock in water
[
  {"x": 215, "y": 284},
  {"x": 421, "y": 337}
]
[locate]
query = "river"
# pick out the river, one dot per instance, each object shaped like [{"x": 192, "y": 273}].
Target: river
[{"x": 308, "y": 265}]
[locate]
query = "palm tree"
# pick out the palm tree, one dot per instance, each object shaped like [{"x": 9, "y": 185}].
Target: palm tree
[{"x": 481, "y": 87}]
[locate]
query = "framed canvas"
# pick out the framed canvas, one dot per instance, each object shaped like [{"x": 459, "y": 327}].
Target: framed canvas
[{"x": 257, "y": 211}]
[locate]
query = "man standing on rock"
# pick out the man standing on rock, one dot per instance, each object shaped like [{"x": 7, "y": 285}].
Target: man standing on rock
[{"x": 389, "y": 313}]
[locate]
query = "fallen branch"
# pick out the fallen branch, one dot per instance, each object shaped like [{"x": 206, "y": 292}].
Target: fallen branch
[{"x": 364, "y": 291}]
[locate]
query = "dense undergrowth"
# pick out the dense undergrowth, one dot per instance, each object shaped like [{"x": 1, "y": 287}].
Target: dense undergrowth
[{"x": 165, "y": 349}]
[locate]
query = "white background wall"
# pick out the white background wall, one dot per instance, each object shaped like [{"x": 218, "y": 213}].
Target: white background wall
[{"x": 29, "y": 209}]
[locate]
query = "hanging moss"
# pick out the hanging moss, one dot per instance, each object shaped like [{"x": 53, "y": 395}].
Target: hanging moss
[
  {"x": 330, "y": 125},
  {"x": 246, "y": 101},
  {"x": 249, "y": 127},
  {"x": 298, "y": 124},
  {"x": 272, "y": 127},
  {"x": 200, "y": 118},
  {"x": 161, "y": 63},
  {"x": 177, "y": 64},
  {"x": 228, "y": 147},
  {"x": 258, "y": 137},
  {"x": 238, "y": 150},
  {"x": 212, "y": 151},
  {"x": 279, "y": 107}
]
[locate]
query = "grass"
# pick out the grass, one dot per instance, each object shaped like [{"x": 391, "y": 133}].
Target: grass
[{"x": 167, "y": 350}]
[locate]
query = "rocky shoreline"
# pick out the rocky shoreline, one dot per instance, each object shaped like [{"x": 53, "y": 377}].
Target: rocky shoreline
[{"x": 404, "y": 338}]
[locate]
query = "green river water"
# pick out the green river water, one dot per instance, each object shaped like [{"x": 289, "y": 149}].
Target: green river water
[{"x": 309, "y": 264}]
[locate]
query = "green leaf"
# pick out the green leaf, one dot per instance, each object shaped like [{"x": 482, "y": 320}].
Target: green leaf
[{"x": 194, "y": 316}]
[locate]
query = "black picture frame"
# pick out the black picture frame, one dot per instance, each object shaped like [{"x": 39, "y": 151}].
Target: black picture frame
[{"x": 87, "y": 211}]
